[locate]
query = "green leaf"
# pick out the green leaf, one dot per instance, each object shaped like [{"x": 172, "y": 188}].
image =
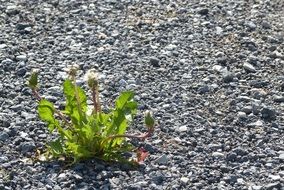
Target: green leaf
[
  {"x": 56, "y": 147},
  {"x": 123, "y": 99},
  {"x": 72, "y": 107},
  {"x": 46, "y": 113}
]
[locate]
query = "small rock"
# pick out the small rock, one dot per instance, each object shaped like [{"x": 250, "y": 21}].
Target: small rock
[
  {"x": 203, "y": 11},
  {"x": 247, "y": 109},
  {"x": 281, "y": 157},
  {"x": 242, "y": 115},
  {"x": 21, "y": 72},
  {"x": 272, "y": 186},
  {"x": 278, "y": 99},
  {"x": 219, "y": 30},
  {"x": 258, "y": 123},
  {"x": 162, "y": 160},
  {"x": 4, "y": 136},
  {"x": 2, "y": 46},
  {"x": 266, "y": 25},
  {"x": 62, "y": 176},
  {"x": 218, "y": 154},
  {"x": 217, "y": 68},
  {"x": 228, "y": 77},
  {"x": 251, "y": 25},
  {"x": 248, "y": 67},
  {"x": 231, "y": 157},
  {"x": 27, "y": 146},
  {"x": 21, "y": 57},
  {"x": 275, "y": 177},
  {"x": 184, "y": 180},
  {"x": 3, "y": 159},
  {"x": 182, "y": 128},
  {"x": 22, "y": 26},
  {"x": 256, "y": 187},
  {"x": 240, "y": 151},
  {"x": 155, "y": 61},
  {"x": 268, "y": 113}
]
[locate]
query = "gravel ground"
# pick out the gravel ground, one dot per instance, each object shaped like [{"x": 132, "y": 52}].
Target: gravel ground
[{"x": 213, "y": 74}]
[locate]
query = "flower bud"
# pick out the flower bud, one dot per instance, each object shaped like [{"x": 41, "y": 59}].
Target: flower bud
[
  {"x": 72, "y": 70},
  {"x": 33, "y": 79},
  {"x": 91, "y": 77}
]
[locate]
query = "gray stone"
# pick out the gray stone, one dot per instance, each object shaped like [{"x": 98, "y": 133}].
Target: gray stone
[
  {"x": 278, "y": 99},
  {"x": 184, "y": 180},
  {"x": 281, "y": 157},
  {"x": 21, "y": 57},
  {"x": 258, "y": 123},
  {"x": 203, "y": 11},
  {"x": 4, "y": 136},
  {"x": 21, "y": 72},
  {"x": 268, "y": 113},
  {"x": 27, "y": 146},
  {"x": 256, "y": 187},
  {"x": 162, "y": 159},
  {"x": 182, "y": 128},
  {"x": 272, "y": 186},
  {"x": 218, "y": 154},
  {"x": 248, "y": 67},
  {"x": 155, "y": 62},
  {"x": 247, "y": 109}
]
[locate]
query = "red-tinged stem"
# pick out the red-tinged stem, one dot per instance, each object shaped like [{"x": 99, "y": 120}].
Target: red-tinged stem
[
  {"x": 94, "y": 100},
  {"x": 98, "y": 99},
  {"x": 142, "y": 136}
]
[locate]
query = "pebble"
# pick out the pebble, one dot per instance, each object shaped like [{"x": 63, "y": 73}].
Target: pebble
[
  {"x": 155, "y": 62},
  {"x": 203, "y": 11},
  {"x": 27, "y": 147},
  {"x": 218, "y": 154},
  {"x": 4, "y": 136},
  {"x": 281, "y": 157},
  {"x": 278, "y": 99},
  {"x": 21, "y": 57},
  {"x": 162, "y": 159},
  {"x": 268, "y": 113},
  {"x": 258, "y": 123},
  {"x": 182, "y": 128},
  {"x": 184, "y": 180},
  {"x": 248, "y": 67}
]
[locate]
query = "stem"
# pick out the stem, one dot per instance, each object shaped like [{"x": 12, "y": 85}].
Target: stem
[
  {"x": 94, "y": 100},
  {"x": 142, "y": 136},
  {"x": 98, "y": 99}
]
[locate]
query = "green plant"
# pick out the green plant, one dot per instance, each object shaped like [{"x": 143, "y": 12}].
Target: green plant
[{"x": 83, "y": 134}]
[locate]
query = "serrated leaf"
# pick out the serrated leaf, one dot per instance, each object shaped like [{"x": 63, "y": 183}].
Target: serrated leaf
[
  {"x": 123, "y": 99},
  {"x": 56, "y": 147}
]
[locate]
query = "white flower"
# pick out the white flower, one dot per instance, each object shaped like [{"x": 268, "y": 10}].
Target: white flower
[
  {"x": 35, "y": 70},
  {"x": 91, "y": 75},
  {"x": 72, "y": 69}
]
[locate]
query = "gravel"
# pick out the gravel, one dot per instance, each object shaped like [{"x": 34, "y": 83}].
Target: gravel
[{"x": 212, "y": 72}]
